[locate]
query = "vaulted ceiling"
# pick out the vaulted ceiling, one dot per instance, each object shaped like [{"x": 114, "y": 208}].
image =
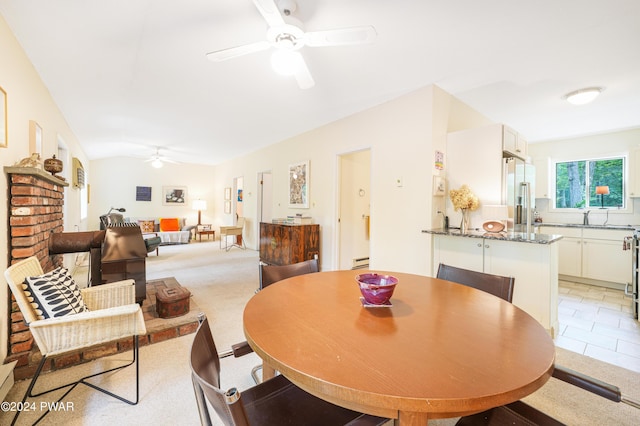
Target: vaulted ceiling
[{"x": 132, "y": 76}]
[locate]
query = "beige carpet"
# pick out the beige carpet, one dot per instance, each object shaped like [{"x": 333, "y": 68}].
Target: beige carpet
[{"x": 221, "y": 283}]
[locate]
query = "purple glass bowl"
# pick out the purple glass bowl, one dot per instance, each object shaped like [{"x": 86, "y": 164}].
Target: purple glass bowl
[{"x": 375, "y": 288}]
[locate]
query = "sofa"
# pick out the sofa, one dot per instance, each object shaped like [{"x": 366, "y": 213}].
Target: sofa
[{"x": 172, "y": 230}]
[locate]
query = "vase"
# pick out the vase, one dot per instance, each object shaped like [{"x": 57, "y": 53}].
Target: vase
[{"x": 464, "y": 223}]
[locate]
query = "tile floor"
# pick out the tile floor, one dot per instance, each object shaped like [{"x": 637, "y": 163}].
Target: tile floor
[{"x": 598, "y": 322}]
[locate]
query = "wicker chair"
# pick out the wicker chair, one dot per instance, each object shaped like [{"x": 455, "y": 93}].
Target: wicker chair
[{"x": 113, "y": 315}]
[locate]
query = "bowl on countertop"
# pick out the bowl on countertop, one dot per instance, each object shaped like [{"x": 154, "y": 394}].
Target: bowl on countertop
[{"x": 376, "y": 289}]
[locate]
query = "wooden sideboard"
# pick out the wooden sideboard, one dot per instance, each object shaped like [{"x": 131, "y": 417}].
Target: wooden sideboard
[{"x": 286, "y": 244}]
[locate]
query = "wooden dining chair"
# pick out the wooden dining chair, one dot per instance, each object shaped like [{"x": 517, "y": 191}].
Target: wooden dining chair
[
  {"x": 270, "y": 274},
  {"x": 519, "y": 413},
  {"x": 276, "y": 401},
  {"x": 494, "y": 284}
]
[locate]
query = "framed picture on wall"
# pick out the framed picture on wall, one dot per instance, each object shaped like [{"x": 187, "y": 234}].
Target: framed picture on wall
[
  {"x": 227, "y": 193},
  {"x": 227, "y": 207},
  {"x": 35, "y": 138},
  {"x": 143, "y": 193},
  {"x": 299, "y": 185},
  {"x": 174, "y": 195}
]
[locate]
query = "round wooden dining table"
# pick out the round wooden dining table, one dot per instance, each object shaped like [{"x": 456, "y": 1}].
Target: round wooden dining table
[{"x": 441, "y": 350}]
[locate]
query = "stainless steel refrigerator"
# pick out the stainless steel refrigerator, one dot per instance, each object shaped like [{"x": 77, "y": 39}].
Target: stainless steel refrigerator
[{"x": 518, "y": 193}]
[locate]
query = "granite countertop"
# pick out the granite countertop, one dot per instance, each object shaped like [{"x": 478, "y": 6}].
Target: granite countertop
[
  {"x": 594, "y": 226},
  {"x": 521, "y": 237}
]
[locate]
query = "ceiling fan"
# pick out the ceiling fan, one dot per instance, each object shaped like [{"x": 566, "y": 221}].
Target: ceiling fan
[
  {"x": 286, "y": 35},
  {"x": 158, "y": 160}
]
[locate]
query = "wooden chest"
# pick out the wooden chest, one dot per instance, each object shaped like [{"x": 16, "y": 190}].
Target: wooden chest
[{"x": 172, "y": 302}]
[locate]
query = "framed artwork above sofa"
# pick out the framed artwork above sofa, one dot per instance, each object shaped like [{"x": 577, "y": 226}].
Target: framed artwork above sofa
[{"x": 174, "y": 195}]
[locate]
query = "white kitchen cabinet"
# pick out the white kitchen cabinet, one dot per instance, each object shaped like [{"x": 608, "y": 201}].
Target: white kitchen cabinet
[
  {"x": 569, "y": 249},
  {"x": 513, "y": 142},
  {"x": 604, "y": 260},
  {"x": 603, "y": 257},
  {"x": 542, "y": 190},
  {"x": 570, "y": 256},
  {"x": 464, "y": 253},
  {"x": 593, "y": 255},
  {"x": 634, "y": 173},
  {"x": 534, "y": 267}
]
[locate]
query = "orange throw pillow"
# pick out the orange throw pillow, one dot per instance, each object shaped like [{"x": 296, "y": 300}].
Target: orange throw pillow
[
  {"x": 146, "y": 226},
  {"x": 171, "y": 224}
]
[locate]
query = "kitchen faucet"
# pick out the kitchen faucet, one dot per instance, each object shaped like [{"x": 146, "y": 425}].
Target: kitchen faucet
[{"x": 585, "y": 218}]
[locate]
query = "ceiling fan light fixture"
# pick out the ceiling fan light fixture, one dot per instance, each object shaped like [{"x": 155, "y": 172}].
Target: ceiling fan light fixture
[
  {"x": 286, "y": 62},
  {"x": 157, "y": 163},
  {"x": 583, "y": 96}
]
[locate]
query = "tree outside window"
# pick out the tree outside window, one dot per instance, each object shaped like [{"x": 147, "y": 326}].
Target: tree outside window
[{"x": 576, "y": 183}]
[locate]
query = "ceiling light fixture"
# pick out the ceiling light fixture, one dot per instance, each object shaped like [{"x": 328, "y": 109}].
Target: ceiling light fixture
[
  {"x": 157, "y": 163},
  {"x": 286, "y": 62},
  {"x": 583, "y": 96}
]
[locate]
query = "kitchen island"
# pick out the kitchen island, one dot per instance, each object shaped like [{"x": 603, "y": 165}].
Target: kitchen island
[{"x": 532, "y": 259}]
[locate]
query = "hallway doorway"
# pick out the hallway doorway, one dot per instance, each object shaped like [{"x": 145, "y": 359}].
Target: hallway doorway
[{"x": 354, "y": 209}]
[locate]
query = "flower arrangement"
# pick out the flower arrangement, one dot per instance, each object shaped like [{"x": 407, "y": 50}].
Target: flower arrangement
[{"x": 463, "y": 199}]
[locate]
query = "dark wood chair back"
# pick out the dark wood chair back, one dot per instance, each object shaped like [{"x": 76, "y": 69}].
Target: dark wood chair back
[
  {"x": 274, "y": 402},
  {"x": 205, "y": 373},
  {"x": 270, "y": 274},
  {"x": 494, "y": 284}
]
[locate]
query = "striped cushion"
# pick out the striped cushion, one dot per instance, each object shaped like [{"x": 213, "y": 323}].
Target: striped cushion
[{"x": 54, "y": 294}]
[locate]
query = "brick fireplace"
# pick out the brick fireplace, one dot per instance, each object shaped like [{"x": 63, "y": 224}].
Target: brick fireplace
[{"x": 35, "y": 204}]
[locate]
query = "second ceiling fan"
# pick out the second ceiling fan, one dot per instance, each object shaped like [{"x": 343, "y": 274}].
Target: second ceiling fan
[{"x": 286, "y": 35}]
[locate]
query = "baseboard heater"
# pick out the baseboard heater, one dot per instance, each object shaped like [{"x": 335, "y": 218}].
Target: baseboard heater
[{"x": 360, "y": 263}]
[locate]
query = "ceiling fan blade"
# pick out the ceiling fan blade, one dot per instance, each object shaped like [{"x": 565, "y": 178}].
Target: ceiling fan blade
[
  {"x": 233, "y": 52},
  {"x": 342, "y": 36},
  {"x": 303, "y": 75},
  {"x": 269, "y": 11}
]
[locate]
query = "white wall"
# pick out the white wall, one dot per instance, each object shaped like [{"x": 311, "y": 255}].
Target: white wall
[
  {"x": 113, "y": 184},
  {"x": 603, "y": 145},
  {"x": 403, "y": 135},
  {"x": 29, "y": 99}
]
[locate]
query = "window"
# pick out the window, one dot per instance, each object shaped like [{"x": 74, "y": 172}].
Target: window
[{"x": 576, "y": 183}]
